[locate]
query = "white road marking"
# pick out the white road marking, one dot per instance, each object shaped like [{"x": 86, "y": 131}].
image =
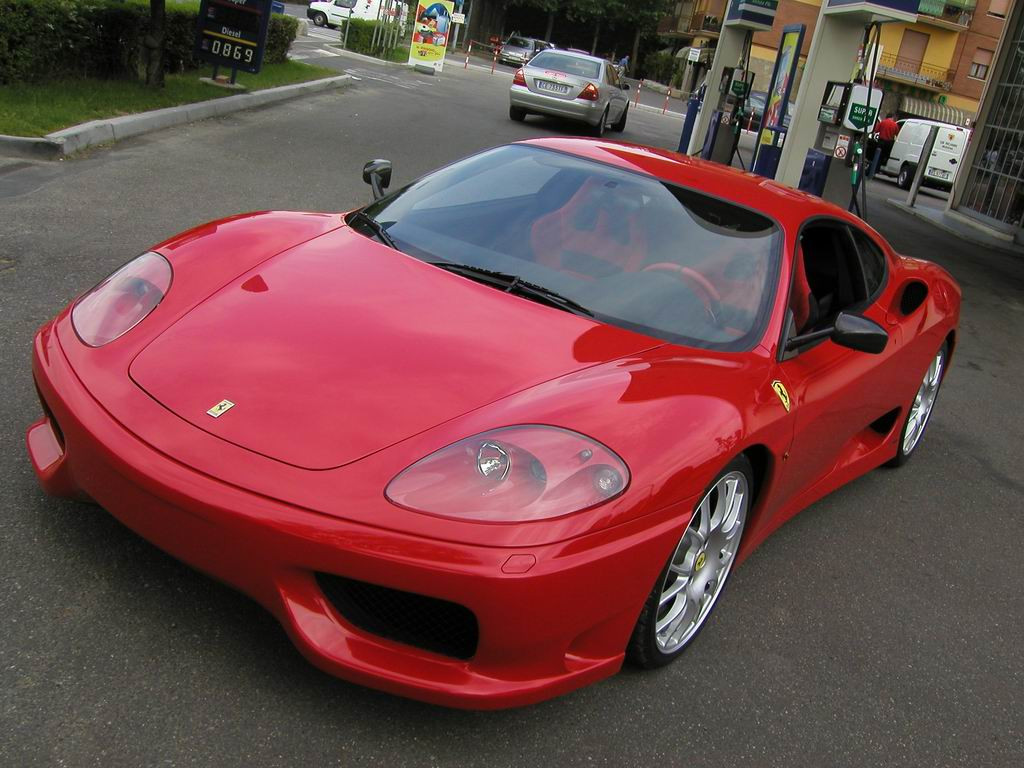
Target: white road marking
[{"x": 382, "y": 78}]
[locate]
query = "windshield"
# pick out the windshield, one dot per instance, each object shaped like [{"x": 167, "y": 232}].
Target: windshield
[
  {"x": 635, "y": 252},
  {"x": 571, "y": 65},
  {"x": 518, "y": 42}
]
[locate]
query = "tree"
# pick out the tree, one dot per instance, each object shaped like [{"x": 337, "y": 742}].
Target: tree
[
  {"x": 596, "y": 11},
  {"x": 153, "y": 45}
]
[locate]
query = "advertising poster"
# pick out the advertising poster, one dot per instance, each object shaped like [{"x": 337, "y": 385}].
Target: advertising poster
[
  {"x": 430, "y": 31},
  {"x": 782, "y": 80}
]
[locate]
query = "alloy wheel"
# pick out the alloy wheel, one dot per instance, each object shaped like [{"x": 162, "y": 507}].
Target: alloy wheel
[
  {"x": 701, "y": 563},
  {"x": 924, "y": 402}
]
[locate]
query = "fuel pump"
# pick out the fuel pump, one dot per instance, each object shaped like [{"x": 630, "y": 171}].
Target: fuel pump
[
  {"x": 721, "y": 142},
  {"x": 832, "y": 169}
]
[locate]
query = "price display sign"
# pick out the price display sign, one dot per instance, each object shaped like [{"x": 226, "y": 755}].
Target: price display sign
[{"x": 233, "y": 33}]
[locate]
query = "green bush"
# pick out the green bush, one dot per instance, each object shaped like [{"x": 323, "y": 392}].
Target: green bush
[
  {"x": 279, "y": 38},
  {"x": 50, "y": 39},
  {"x": 360, "y": 36},
  {"x": 658, "y": 66}
]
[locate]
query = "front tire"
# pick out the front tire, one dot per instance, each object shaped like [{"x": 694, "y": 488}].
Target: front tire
[
  {"x": 694, "y": 576},
  {"x": 921, "y": 409},
  {"x": 320, "y": 19},
  {"x": 516, "y": 113}
]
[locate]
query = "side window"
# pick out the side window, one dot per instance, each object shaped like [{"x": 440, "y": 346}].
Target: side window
[
  {"x": 831, "y": 281},
  {"x": 872, "y": 261},
  {"x": 609, "y": 74}
]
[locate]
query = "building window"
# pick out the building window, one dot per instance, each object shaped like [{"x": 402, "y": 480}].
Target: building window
[
  {"x": 999, "y": 8},
  {"x": 979, "y": 66}
]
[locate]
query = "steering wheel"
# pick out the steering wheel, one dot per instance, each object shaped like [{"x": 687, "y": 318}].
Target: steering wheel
[{"x": 707, "y": 292}]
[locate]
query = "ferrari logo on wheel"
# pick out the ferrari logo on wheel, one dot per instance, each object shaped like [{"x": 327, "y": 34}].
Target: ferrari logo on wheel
[{"x": 783, "y": 393}]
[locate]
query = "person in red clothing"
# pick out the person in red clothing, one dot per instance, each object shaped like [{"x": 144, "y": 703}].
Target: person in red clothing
[{"x": 886, "y": 130}]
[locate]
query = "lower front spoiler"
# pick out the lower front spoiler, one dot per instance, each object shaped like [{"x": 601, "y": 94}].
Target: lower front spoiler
[{"x": 561, "y": 626}]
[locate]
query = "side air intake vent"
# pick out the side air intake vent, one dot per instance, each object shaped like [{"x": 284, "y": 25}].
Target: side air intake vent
[{"x": 913, "y": 296}]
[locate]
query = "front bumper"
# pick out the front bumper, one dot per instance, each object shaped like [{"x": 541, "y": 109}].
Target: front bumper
[
  {"x": 514, "y": 59},
  {"x": 544, "y": 629},
  {"x": 574, "y": 109}
]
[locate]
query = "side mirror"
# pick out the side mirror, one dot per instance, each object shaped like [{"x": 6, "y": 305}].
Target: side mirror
[
  {"x": 625, "y": 86},
  {"x": 851, "y": 331},
  {"x": 377, "y": 173},
  {"x": 857, "y": 332}
]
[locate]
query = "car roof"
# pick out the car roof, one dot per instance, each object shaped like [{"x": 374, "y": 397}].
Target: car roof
[
  {"x": 932, "y": 122},
  {"x": 788, "y": 206}
]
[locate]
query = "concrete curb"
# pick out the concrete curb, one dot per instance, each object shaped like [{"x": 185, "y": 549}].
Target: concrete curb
[
  {"x": 964, "y": 232},
  {"x": 70, "y": 140}
]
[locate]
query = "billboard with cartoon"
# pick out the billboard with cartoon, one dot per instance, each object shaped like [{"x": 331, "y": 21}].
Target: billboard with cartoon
[{"x": 430, "y": 32}]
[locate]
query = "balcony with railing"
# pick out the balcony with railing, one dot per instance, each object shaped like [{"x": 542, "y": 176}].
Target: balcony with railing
[
  {"x": 914, "y": 72},
  {"x": 949, "y": 14},
  {"x": 694, "y": 17}
]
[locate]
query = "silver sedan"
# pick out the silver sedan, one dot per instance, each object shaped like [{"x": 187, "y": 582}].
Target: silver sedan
[{"x": 570, "y": 85}]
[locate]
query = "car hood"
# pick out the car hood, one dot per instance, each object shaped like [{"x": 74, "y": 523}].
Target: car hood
[{"x": 341, "y": 346}]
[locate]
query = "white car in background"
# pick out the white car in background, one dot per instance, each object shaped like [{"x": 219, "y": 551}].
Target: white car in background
[
  {"x": 947, "y": 153},
  {"x": 333, "y": 13}
]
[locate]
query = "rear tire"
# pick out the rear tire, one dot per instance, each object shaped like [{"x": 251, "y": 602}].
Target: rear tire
[
  {"x": 517, "y": 113},
  {"x": 320, "y": 19},
  {"x": 695, "y": 575},
  {"x": 598, "y": 130},
  {"x": 905, "y": 177},
  {"x": 921, "y": 409},
  {"x": 620, "y": 125}
]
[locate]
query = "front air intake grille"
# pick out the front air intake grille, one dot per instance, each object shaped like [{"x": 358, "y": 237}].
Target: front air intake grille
[{"x": 405, "y": 617}]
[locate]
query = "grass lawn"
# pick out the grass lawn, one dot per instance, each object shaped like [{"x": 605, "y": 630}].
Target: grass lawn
[{"x": 35, "y": 110}]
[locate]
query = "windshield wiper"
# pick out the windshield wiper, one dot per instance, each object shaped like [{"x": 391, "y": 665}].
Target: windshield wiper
[
  {"x": 364, "y": 218},
  {"x": 515, "y": 284}
]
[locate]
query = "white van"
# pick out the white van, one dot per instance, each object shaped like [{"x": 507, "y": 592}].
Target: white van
[
  {"x": 947, "y": 153},
  {"x": 334, "y": 13}
]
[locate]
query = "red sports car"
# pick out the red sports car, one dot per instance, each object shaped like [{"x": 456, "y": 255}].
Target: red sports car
[{"x": 485, "y": 438}]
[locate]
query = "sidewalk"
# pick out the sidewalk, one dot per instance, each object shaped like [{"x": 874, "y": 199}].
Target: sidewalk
[{"x": 959, "y": 225}]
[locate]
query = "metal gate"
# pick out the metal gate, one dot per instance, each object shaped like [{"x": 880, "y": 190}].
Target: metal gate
[{"x": 995, "y": 184}]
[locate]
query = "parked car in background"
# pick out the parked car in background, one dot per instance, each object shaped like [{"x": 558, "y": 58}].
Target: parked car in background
[
  {"x": 516, "y": 51},
  {"x": 947, "y": 154},
  {"x": 334, "y": 13},
  {"x": 571, "y": 85}
]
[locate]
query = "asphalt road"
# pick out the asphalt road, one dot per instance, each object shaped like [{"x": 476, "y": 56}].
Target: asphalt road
[{"x": 881, "y": 626}]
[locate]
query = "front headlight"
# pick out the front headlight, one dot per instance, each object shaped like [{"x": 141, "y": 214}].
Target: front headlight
[
  {"x": 122, "y": 301},
  {"x": 513, "y": 474}
]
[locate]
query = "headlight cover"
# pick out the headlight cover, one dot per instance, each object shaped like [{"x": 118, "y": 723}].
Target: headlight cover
[
  {"x": 122, "y": 301},
  {"x": 512, "y": 474}
]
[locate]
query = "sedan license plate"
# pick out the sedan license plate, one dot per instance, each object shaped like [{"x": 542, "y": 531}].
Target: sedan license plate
[
  {"x": 939, "y": 174},
  {"x": 544, "y": 85}
]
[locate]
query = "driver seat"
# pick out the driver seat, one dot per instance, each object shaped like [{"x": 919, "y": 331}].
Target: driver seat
[
  {"x": 802, "y": 303},
  {"x": 597, "y": 233}
]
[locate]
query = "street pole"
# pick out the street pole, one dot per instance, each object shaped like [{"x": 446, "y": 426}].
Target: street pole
[{"x": 922, "y": 165}]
